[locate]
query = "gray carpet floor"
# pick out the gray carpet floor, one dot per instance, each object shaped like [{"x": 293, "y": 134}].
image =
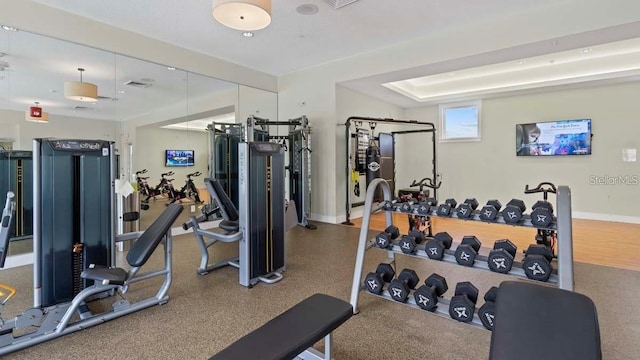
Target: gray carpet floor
[{"x": 207, "y": 313}]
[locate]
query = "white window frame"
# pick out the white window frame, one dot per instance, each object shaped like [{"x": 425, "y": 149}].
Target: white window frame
[{"x": 443, "y": 126}]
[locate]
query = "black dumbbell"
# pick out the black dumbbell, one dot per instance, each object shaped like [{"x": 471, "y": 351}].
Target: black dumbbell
[
  {"x": 465, "y": 210},
  {"x": 512, "y": 213},
  {"x": 408, "y": 242},
  {"x": 435, "y": 247},
  {"x": 500, "y": 259},
  {"x": 384, "y": 239},
  {"x": 463, "y": 303},
  {"x": 406, "y": 207},
  {"x": 467, "y": 251},
  {"x": 487, "y": 312},
  {"x": 446, "y": 208},
  {"x": 399, "y": 287},
  {"x": 424, "y": 208},
  {"x": 432, "y": 201},
  {"x": 374, "y": 281},
  {"x": 542, "y": 214},
  {"x": 427, "y": 295},
  {"x": 537, "y": 262},
  {"x": 390, "y": 205},
  {"x": 490, "y": 211}
]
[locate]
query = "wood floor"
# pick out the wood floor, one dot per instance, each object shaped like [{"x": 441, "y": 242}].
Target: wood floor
[{"x": 594, "y": 242}]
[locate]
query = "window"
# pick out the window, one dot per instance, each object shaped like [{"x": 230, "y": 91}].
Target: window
[{"x": 460, "y": 121}]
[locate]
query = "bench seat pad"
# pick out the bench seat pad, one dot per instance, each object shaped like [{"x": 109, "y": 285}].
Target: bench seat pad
[
  {"x": 535, "y": 322},
  {"x": 291, "y": 332}
]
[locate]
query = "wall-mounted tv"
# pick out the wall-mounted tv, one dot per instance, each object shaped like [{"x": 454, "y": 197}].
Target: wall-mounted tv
[
  {"x": 553, "y": 138},
  {"x": 178, "y": 158}
]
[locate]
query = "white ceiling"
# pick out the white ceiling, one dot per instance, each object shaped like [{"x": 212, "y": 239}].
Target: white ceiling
[{"x": 293, "y": 41}]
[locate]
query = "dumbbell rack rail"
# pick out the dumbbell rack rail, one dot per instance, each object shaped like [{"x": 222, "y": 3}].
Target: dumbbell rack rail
[{"x": 562, "y": 276}]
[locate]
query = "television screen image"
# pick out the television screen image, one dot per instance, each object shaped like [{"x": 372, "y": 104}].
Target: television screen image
[
  {"x": 179, "y": 158},
  {"x": 554, "y": 138}
]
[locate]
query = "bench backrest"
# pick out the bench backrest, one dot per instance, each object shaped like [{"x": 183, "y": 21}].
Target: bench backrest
[
  {"x": 149, "y": 240},
  {"x": 229, "y": 211}
]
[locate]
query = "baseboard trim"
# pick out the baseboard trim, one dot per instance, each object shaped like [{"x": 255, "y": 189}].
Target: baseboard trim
[{"x": 606, "y": 217}]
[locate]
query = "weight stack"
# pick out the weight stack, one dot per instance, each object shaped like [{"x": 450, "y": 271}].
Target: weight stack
[{"x": 74, "y": 215}]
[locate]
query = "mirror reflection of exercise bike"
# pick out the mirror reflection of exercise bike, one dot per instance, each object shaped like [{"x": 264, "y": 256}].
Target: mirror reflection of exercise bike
[
  {"x": 188, "y": 191},
  {"x": 546, "y": 237},
  {"x": 421, "y": 223},
  {"x": 164, "y": 188}
]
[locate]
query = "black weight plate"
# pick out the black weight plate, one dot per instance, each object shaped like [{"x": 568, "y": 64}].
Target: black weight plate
[
  {"x": 461, "y": 309},
  {"x": 488, "y": 213},
  {"x": 465, "y": 255},
  {"x": 424, "y": 208},
  {"x": 398, "y": 291},
  {"x": 434, "y": 250},
  {"x": 408, "y": 244},
  {"x": 541, "y": 217},
  {"x": 373, "y": 283},
  {"x": 500, "y": 261}
]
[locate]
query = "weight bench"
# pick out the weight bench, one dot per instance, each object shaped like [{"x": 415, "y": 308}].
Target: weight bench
[
  {"x": 288, "y": 335},
  {"x": 536, "y": 322}
]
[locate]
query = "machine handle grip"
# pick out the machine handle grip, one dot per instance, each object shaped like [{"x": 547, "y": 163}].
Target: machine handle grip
[{"x": 552, "y": 188}]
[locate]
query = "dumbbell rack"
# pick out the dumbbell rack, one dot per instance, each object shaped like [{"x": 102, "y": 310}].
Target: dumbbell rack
[{"x": 562, "y": 276}]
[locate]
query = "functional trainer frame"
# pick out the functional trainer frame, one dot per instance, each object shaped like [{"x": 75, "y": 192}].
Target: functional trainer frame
[
  {"x": 427, "y": 127},
  {"x": 258, "y": 226},
  {"x": 563, "y": 278}
]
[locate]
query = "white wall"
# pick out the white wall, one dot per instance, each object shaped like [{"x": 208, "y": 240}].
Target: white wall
[
  {"x": 490, "y": 168},
  {"x": 13, "y": 125},
  {"x": 313, "y": 91},
  {"x": 153, "y": 141}
]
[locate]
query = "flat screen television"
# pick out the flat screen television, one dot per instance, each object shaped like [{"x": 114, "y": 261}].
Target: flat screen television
[
  {"x": 554, "y": 138},
  {"x": 179, "y": 158}
]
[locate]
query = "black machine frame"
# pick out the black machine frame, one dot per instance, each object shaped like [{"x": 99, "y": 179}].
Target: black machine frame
[{"x": 429, "y": 128}]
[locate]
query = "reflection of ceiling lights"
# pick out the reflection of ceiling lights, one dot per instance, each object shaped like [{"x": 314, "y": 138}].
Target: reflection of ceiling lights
[
  {"x": 171, "y": 68},
  {"x": 35, "y": 114},
  {"x": 80, "y": 91},
  {"x": 202, "y": 124},
  {"x": 247, "y": 34},
  {"x": 245, "y": 15},
  {"x": 9, "y": 28}
]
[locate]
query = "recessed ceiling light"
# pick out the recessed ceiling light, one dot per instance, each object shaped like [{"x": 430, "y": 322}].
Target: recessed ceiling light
[
  {"x": 170, "y": 68},
  {"x": 9, "y": 28},
  {"x": 120, "y": 91},
  {"x": 521, "y": 62},
  {"x": 584, "y": 51},
  {"x": 307, "y": 9},
  {"x": 247, "y": 34}
]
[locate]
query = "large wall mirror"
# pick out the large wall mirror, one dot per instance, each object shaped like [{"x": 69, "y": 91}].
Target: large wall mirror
[{"x": 151, "y": 111}]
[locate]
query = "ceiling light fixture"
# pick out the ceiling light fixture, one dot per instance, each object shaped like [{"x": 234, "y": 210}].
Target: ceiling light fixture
[
  {"x": 584, "y": 51},
  {"x": 244, "y": 15},
  {"x": 80, "y": 91},
  {"x": 9, "y": 28},
  {"x": 170, "y": 68},
  {"x": 247, "y": 34},
  {"x": 35, "y": 114}
]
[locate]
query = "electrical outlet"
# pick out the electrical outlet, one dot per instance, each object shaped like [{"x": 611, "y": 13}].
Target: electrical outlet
[{"x": 193, "y": 208}]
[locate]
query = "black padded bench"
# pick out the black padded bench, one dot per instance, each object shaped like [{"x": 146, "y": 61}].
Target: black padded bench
[
  {"x": 535, "y": 322},
  {"x": 291, "y": 334}
]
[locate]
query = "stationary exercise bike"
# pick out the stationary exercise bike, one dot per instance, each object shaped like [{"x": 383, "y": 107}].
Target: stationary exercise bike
[
  {"x": 143, "y": 185},
  {"x": 189, "y": 190},
  {"x": 163, "y": 188},
  {"x": 421, "y": 223},
  {"x": 546, "y": 237}
]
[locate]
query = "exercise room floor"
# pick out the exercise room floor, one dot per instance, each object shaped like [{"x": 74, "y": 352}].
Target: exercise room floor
[{"x": 206, "y": 313}]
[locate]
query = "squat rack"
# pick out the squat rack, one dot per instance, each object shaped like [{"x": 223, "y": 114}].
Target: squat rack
[{"x": 429, "y": 128}]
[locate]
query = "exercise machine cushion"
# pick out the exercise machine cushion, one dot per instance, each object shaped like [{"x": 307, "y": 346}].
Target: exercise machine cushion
[
  {"x": 144, "y": 246},
  {"x": 536, "y": 322},
  {"x": 105, "y": 275},
  {"x": 229, "y": 208},
  {"x": 291, "y": 332},
  {"x": 230, "y": 226}
]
